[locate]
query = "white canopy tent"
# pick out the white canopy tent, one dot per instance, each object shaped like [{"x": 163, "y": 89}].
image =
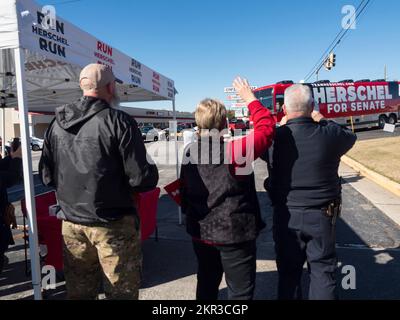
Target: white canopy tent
[{"x": 40, "y": 60}]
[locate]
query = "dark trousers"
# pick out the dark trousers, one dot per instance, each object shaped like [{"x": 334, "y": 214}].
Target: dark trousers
[
  {"x": 302, "y": 235},
  {"x": 237, "y": 261}
]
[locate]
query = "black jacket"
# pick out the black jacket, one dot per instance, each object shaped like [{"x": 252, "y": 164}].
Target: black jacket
[
  {"x": 306, "y": 160},
  {"x": 10, "y": 174},
  {"x": 95, "y": 157},
  {"x": 219, "y": 207}
]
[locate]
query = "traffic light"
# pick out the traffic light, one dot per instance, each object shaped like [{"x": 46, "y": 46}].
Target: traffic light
[{"x": 330, "y": 62}]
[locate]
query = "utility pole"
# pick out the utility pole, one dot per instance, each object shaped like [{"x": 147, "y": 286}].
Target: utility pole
[{"x": 385, "y": 72}]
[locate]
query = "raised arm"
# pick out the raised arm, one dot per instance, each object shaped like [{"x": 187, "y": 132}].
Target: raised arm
[{"x": 254, "y": 145}]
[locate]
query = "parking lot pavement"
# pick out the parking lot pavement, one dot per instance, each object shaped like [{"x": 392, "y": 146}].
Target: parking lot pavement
[
  {"x": 366, "y": 239},
  {"x": 375, "y": 133}
]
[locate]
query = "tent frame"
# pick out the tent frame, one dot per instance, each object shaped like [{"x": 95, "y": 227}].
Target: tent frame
[{"x": 28, "y": 176}]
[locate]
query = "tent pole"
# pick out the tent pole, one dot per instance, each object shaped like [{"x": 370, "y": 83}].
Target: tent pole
[
  {"x": 176, "y": 151},
  {"x": 3, "y": 132},
  {"x": 28, "y": 177}
]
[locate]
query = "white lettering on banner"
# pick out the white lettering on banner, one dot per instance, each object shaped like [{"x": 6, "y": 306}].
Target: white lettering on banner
[
  {"x": 371, "y": 93},
  {"x": 361, "y": 93},
  {"x": 341, "y": 94},
  {"x": 356, "y": 106},
  {"x": 342, "y": 99},
  {"x": 319, "y": 95},
  {"x": 330, "y": 95},
  {"x": 351, "y": 91},
  {"x": 351, "y": 94}
]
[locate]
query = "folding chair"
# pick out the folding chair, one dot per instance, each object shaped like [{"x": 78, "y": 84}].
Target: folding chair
[{"x": 147, "y": 205}]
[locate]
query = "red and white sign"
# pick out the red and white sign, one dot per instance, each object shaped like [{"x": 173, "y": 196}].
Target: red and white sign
[
  {"x": 173, "y": 190},
  {"x": 238, "y": 105},
  {"x": 343, "y": 100}
]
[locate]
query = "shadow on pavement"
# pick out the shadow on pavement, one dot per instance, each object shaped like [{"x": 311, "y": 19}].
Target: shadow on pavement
[{"x": 360, "y": 233}]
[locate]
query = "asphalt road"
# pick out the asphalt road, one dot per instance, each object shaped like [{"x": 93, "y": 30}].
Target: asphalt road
[
  {"x": 368, "y": 134},
  {"x": 17, "y": 193}
]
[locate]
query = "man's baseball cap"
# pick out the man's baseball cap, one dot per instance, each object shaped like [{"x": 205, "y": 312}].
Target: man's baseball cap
[{"x": 98, "y": 75}]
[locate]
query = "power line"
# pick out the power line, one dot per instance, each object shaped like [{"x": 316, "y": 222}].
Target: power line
[
  {"x": 329, "y": 47},
  {"x": 338, "y": 39},
  {"x": 65, "y": 2}
]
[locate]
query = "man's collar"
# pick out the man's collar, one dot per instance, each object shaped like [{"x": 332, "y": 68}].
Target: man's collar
[{"x": 300, "y": 120}]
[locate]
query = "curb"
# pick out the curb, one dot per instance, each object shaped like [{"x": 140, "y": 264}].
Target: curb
[{"x": 379, "y": 179}]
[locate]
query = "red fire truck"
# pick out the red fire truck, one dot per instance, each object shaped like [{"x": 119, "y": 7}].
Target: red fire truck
[{"x": 362, "y": 103}]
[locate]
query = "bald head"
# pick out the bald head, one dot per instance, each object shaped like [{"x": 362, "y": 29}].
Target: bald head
[{"x": 298, "y": 100}]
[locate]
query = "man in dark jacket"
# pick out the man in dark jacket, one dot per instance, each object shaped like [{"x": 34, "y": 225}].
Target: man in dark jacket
[
  {"x": 10, "y": 174},
  {"x": 305, "y": 191},
  {"x": 95, "y": 157}
]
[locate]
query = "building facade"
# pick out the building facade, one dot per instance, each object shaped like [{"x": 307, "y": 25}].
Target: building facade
[{"x": 38, "y": 123}]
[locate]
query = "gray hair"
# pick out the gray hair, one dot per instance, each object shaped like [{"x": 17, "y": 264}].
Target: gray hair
[{"x": 298, "y": 98}]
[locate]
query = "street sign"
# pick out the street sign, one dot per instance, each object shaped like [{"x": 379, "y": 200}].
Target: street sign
[
  {"x": 229, "y": 90},
  {"x": 233, "y": 97},
  {"x": 238, "y": 105},
  {"x": 232, "y": 89}
]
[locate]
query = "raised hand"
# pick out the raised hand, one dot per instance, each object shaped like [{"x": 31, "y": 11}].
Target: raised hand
[{"x": 243, "y": 89}]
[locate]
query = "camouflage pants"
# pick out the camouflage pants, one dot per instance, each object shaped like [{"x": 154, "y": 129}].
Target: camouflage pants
[{"x": 109, "y": 254}]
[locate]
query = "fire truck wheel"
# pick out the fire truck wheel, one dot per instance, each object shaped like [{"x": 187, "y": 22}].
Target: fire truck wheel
[
  {"x": 392, "y": 119},
  {"x": 382, "y": 121}
]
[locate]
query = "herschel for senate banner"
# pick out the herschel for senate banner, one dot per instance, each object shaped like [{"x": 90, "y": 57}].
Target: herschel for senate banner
[
  {"x": 354, "y": 99},
  {"x": 67, "y": 43}
]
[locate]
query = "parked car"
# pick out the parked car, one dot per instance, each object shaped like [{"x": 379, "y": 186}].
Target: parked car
[
  {"x": 152, "y": 134},
  {"x": 36, "y": 144},
  {"x": 237, "y": 124}
]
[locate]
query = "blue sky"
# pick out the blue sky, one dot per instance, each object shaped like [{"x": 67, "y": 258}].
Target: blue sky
[{"x": 203, "y": 45}]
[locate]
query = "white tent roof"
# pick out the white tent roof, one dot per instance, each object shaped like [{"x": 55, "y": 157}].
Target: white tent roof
[{"x": 54, "y": 59}]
